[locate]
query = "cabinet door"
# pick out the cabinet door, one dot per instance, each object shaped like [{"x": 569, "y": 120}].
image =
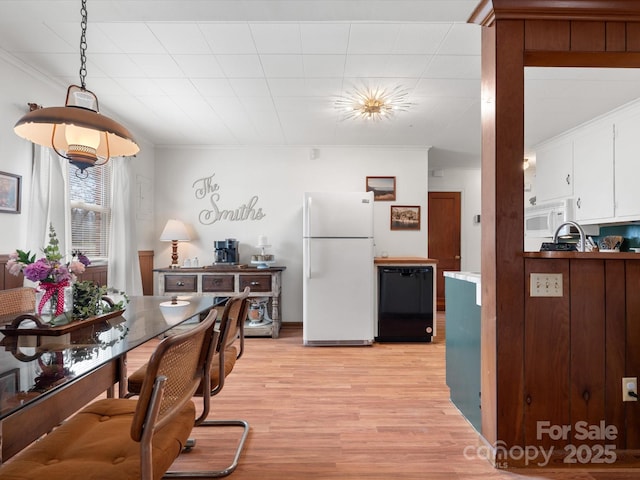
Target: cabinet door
[
  {"x": 593, "y": 171},
  {"x": 627, "y": 166},
  {"x": 554, "y": 170}
]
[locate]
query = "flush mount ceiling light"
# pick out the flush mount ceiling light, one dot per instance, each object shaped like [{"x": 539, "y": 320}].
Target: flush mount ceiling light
[
  {"x": 373, "y": 103},
  {"x": 77, "y": 131}
]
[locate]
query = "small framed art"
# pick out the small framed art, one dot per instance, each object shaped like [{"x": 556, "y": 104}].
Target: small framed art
[
  {"x": 405, "y": 217},
  {"x": 383, "y": 188},
  {"x": 10, "y": 186}
]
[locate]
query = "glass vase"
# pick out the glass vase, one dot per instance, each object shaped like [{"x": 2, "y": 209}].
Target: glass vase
[{"x": 49, "y": 308}]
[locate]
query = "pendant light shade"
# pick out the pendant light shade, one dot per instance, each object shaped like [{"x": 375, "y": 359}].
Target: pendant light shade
[{"x": 77, "y": 131}]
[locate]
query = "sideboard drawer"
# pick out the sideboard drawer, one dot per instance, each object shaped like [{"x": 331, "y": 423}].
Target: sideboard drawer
[
  {"x": 218, "y": 283},
  {"x": 257, "y": 283},
  {"x": 180, "y": 283}
]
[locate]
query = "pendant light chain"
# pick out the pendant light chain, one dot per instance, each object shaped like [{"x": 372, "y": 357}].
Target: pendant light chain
[{"x": 83, "y": 45}]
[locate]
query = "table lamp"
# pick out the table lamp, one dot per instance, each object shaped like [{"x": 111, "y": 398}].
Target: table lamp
[{"x": 174, "y": 232}]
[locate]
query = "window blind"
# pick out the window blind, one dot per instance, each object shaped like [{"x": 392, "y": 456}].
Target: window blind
[{"x": 90, "y": 200}]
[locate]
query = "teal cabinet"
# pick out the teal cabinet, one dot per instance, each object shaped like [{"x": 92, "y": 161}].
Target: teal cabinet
[{"x": 463, "y": 346}]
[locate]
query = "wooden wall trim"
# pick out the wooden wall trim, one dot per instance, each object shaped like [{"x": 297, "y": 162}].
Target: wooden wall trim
[
  {"x": 488, "y": 11},
  {"x": 583, "y": 59}
]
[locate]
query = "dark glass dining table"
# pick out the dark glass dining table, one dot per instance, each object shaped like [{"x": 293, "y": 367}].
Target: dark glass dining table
[{"x": 46, "y": 378}]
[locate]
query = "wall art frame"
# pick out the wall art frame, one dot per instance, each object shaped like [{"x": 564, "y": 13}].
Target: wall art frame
[
  {"x": 10, "y": 192},
  {"x": 383, "y": 188},
  {"x": 405, "y": 217}
]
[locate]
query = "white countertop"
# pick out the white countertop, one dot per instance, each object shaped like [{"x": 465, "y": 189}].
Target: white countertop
[{"x": 473, "y": 277}]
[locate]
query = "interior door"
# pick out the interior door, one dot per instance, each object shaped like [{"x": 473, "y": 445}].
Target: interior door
[{"x": 444, "y": 236}]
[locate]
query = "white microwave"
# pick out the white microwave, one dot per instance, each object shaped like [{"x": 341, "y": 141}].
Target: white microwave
[{"x": 543, "y": 220}]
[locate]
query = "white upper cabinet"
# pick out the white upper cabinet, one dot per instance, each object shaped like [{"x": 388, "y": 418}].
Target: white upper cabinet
[
  {"x": 554, "y": 170},
  {"x": 627, "y": 165},
  {"x": 593, "y": 169}
]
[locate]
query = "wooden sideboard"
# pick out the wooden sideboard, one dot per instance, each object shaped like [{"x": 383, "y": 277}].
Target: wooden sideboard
[{"x": 228, "y": 280}]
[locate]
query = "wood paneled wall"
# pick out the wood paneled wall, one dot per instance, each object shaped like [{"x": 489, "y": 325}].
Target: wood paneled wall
[
  {"x": 97, "y": 273},
  {"x": 517, "y": 34}
]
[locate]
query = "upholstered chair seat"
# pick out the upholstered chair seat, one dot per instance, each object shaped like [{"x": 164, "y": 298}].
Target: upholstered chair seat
[{"x": 96, "y": 444}]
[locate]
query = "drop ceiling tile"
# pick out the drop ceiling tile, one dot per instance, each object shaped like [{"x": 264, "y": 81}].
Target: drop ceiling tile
[
  {"x": 179, "y": 38},
  {"x": 276, "y": 38},
  {"x": 282, "y": 66},
  {"x": 229, "y": 38},
  {"x": 40, "y": 39},
  {"x": 441, "y": 87},
  {"x": 240, "y": 66},
  {"x": 367, "y": 66},
  {"x": 176, "y": 86},
  {"x": 453, "y": 66},
  {"x": 420, "y": 38},
  {"x": 199, "y": 66},
  {"x": 160, "y": 66},
  {"x": 250, "y": 87},
  {"x": 117, "y": 65},
  {"x": 304, "y": 87},
  {"x": 317, "y": 66},
  {"x": 139, "y": 86},
  {"x": 321, "y": 38},
  {"x": 213, "y": 87},
  {"x": 373, "y": 38},
  {"x": 463, "y": 39},
  {"x": 57, "y": 64},
  {"x": 131, "y": 37}
]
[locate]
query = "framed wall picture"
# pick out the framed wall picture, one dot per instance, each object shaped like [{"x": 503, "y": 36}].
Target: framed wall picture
[
  {"x": 383, "y": 188},
  {"x": 10, "y": 186},
  {"x": 405, "y": 217}
]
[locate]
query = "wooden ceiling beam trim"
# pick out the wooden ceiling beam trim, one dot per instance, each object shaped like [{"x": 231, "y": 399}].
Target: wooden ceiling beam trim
[{"x": 488, "y": 11}]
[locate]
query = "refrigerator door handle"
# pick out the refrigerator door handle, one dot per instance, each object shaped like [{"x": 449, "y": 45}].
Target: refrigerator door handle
[{"x": 308, "y": 255}]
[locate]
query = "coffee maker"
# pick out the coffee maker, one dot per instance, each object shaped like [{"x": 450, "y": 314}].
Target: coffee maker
[{"x": 225, "y": 251}]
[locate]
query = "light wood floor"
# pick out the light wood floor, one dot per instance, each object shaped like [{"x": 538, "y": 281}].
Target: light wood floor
[{"x": 379, "y": 412}]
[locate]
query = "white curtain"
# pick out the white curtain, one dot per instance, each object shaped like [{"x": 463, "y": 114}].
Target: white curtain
[
  {"x": 124, "y": 267},
  {"x": 49, "y": 202}
]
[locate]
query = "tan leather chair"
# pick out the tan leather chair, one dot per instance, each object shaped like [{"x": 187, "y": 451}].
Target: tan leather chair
[
  {"x": 225, "y": 353},
  {"x": 123, "y": 439}
]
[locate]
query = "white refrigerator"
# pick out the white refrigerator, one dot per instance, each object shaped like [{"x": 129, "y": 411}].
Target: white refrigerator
[{"x": 338, "y": 285}]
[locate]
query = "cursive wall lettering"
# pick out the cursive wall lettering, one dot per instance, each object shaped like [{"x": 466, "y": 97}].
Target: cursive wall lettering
[{"x": 206, "y": 189}]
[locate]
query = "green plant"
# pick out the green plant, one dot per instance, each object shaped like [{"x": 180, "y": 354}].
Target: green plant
[{"x": 89, "y": 301}]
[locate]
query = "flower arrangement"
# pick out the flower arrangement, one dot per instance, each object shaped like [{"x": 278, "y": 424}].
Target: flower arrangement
[{"x": 50, "y": 272}]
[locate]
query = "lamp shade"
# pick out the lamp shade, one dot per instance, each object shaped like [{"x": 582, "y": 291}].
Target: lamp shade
[
  {"x": 174, "y": 230},
  {"x": 78, "y": 133}
]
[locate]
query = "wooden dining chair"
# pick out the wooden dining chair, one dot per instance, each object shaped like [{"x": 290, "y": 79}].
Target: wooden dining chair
[
  {"x": 17, "y": 300},
  {"x": 228, "y": 348},
  {"x": 121, "y": 439}
]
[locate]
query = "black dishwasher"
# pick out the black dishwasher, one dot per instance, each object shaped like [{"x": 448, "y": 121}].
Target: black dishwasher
[{"x": 405, "y": 304}]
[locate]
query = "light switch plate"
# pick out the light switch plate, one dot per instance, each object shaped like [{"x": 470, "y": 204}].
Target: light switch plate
[{"x": 545, "y": 285}]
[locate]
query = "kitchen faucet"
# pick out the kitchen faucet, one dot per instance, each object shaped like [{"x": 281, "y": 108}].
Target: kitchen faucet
[{"x": 580, "y": 230}]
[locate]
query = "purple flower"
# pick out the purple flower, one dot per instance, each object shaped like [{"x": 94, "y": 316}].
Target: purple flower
[
  {"x": 60, "y": 274},
  {"x": 38, "y": 270},
  {"x": 82, "y": 258}
]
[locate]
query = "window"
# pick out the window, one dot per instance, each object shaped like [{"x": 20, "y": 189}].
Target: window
[{"x": 90, "y": 200}]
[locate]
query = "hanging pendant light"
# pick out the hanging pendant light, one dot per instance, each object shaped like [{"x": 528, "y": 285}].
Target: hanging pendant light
[{"x": 77, "y": 131}]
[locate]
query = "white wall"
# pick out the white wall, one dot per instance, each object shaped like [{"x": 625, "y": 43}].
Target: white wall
[
  {"x": 20, "y": 85},
  {"x": 467, "y": 182},
  {"x": 278, "y": 177}
]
